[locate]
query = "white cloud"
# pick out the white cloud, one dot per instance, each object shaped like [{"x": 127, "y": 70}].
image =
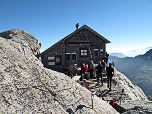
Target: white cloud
[
  {"x": 130, "y": 52},
  {"x": 41, "y": 50}
]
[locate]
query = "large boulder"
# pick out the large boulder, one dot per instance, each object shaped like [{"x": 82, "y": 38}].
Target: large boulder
[
  {"x": 24, "y": 38},
  {"x": 27, "y": 87}
]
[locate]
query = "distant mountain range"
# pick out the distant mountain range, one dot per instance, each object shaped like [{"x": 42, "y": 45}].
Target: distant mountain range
[
  {"x": 119, "y": 55},
  {"x": 138, "y": 69}
]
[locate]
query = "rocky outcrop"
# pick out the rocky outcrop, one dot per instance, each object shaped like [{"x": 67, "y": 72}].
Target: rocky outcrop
[
  {"x": 24, "y": 38},
  {"x": 137, "y": 102},
  {"x": 27, "y": 87},
  {"x": 133, "y": 92}
]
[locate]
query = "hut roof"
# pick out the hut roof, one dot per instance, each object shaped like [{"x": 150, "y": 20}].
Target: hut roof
[{"x": 73, "y": 33}]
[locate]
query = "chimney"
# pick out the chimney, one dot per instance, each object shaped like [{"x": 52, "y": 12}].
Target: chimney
[{"x": 77, "y": 25}]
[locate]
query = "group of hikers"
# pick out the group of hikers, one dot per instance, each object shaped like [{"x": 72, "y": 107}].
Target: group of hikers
[{"x": 99, "y": 71}]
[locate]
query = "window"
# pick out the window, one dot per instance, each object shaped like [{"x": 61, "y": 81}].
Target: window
[
  {"x": 67, "y": 56},
  {"x": 95, "y": 52},
  {"x": 84, "y": 52},
  {"x": 70, "y": 56},
  {"x": 58, "y": 60},
  {"x": 101, "y": 52},
  {"x": 73, "y": 56}
]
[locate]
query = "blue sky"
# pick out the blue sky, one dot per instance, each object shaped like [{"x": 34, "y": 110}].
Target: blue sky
[{"x": 126, "y": 23}]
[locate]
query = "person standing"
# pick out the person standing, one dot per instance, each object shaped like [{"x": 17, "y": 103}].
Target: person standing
[
  {"x": 92, "y": 69},
  {"x": 112, "y": 62},
  {"x": 70, "y": 70},
  {"x": 103, "y": 64},
  {"x": 104, "y": 58},
  {"x": 110, "y": 74},
  {"x": 99, "y": 69},
  {"x": 107, "y": 57},
  {"x": 75, "y": 70},
  {"x": 83, "y": 70}
]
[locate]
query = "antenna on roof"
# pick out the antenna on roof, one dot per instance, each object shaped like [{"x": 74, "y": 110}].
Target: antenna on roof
[{"x": 77, "y": 25}]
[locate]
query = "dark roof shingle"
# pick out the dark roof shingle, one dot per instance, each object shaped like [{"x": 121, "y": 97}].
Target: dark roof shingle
[{"x": 73, "y": 33}]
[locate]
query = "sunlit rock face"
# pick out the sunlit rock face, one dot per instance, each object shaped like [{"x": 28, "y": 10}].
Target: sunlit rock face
[
  {"x": 27, "y": 87},
  {"x": 132, "y": 91},
  {"x": 24, "y": 38}
]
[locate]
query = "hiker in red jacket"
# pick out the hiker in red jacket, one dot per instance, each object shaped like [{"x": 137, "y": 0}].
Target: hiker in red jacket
[{"x": 83, "y": 70}]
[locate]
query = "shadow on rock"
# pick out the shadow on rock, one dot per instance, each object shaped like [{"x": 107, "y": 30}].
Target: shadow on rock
[{"x": 80, "y": 107}]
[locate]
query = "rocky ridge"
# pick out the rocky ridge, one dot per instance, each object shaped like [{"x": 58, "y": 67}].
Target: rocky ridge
[
  {"x": 27, "y": 87},
  {"x": 24, "y": 38},
  {"x": 132, "y": 91}
]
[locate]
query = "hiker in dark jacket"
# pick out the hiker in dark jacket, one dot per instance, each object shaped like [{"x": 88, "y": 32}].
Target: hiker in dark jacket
[
  {"x": 107, "y": 57},
  {"x": 110, "y": 74},
  {"x": 99, "y": 70},
  {"x": 103, "y": 64}
]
